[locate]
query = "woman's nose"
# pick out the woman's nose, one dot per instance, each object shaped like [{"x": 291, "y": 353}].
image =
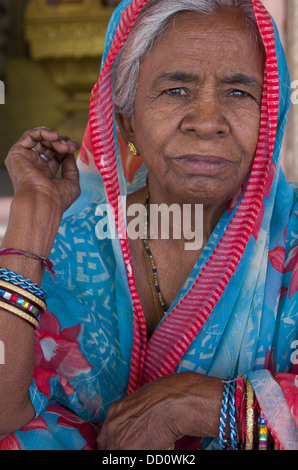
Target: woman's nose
[{"x": 206, "y": 118}]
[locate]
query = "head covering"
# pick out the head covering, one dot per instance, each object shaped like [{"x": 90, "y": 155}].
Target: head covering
[{"x": 248, "y": 234}]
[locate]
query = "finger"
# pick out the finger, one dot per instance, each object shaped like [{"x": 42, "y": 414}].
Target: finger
[
  {"x": 32, "y": 137},
  {"x": 43, "y": 153},
  {"x": 68, "y": 166},
  {"x": 65, "y": 137},
  {"x": 57, "y": 148},
  {"x": 69, "y": 169},
  {"x": 54, "y": 166},
  {"x": 43, "y": 138}
]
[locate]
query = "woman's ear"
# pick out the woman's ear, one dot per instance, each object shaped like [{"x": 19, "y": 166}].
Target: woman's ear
[{"x": 126, "y": 127}]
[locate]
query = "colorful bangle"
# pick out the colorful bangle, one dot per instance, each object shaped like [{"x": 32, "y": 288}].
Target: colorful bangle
[
  {"x": 263, "y": 433},
  {"x": 18, "y": 280},
  {"x": 228, "y": 405},
  {"x": 16, "y": 290},
  {"x": 249, "y": 415},
  {"x": 240, "y": 405},
  {"x": 223, "y": 442},
  {"x": 232, "y": 411},
  {"x": 19, "y": 302},
  {"x": 35, "y": 317},
  {"x": 19, "y": 313},
  {"x": 239, "y": 402}
]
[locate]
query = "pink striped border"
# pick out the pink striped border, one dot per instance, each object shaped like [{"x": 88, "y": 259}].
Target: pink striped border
[{"x": 103, "y": 145}]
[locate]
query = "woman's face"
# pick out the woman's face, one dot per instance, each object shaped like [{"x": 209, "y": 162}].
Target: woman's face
[{"x": 197, "y": 110}]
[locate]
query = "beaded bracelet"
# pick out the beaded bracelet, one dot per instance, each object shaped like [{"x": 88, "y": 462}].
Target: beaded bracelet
[
  {"x": 18, "y": 280},
  {"x": 263, "y": 433},
  {"x": 13, "y": 299},
  {"x": 258, "y": 435},
  {"x": 21, "y": 297},
  {"x": 18, "y": 291},
  {"x": 21, "y": 308}
]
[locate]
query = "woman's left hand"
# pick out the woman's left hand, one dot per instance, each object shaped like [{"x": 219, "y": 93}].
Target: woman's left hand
[{"x": 160, "y": 413}]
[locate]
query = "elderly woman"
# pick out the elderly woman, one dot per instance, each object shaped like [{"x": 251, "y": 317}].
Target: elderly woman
[{"x": 142, "y": 343}]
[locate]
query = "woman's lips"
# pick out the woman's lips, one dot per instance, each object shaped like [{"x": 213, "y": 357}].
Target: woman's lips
[{"x": 204, "y": 164}]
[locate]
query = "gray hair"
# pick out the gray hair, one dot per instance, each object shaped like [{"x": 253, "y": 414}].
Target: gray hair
[{"x": 149, "y": 26}]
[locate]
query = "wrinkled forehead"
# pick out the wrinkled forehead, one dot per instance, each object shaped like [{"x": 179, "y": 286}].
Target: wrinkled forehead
[
  {"x": 193, "y": 47},
  {"x": 224, "y": 20},
  {"x": 222, "y": 25}
]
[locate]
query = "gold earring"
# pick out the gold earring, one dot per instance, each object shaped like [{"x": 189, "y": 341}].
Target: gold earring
[{"x": 133, "y": 149}]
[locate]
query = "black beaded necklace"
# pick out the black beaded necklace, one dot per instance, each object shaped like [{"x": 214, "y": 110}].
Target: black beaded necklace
[{"x": 146, "y": 250}]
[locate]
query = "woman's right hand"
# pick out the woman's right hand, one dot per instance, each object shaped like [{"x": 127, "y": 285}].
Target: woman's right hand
[
  {"x": 32, "y": 176},
  {"x": 41, "y": 196}
]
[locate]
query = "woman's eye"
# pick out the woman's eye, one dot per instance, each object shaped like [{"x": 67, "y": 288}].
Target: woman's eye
[
  {"x": 239, "y": 94},
  {"x": 176, "y": 92}
]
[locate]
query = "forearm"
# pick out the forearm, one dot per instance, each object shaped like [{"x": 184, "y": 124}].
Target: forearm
[{"x": 32, "y": 227}]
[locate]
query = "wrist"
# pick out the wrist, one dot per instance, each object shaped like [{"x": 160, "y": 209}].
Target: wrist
[
  {"x": 32, "y": 227},
  {"x": 198, "y": 411},
  {"x": 36, "y": 204}
]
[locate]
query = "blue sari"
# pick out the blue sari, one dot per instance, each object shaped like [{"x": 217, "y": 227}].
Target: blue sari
[{"x": 236, "y": 314}]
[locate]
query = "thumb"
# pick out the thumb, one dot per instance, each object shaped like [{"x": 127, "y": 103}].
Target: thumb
[
  {"x": 70, "y": 177},
  {"x": 69, "y": 169}
]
